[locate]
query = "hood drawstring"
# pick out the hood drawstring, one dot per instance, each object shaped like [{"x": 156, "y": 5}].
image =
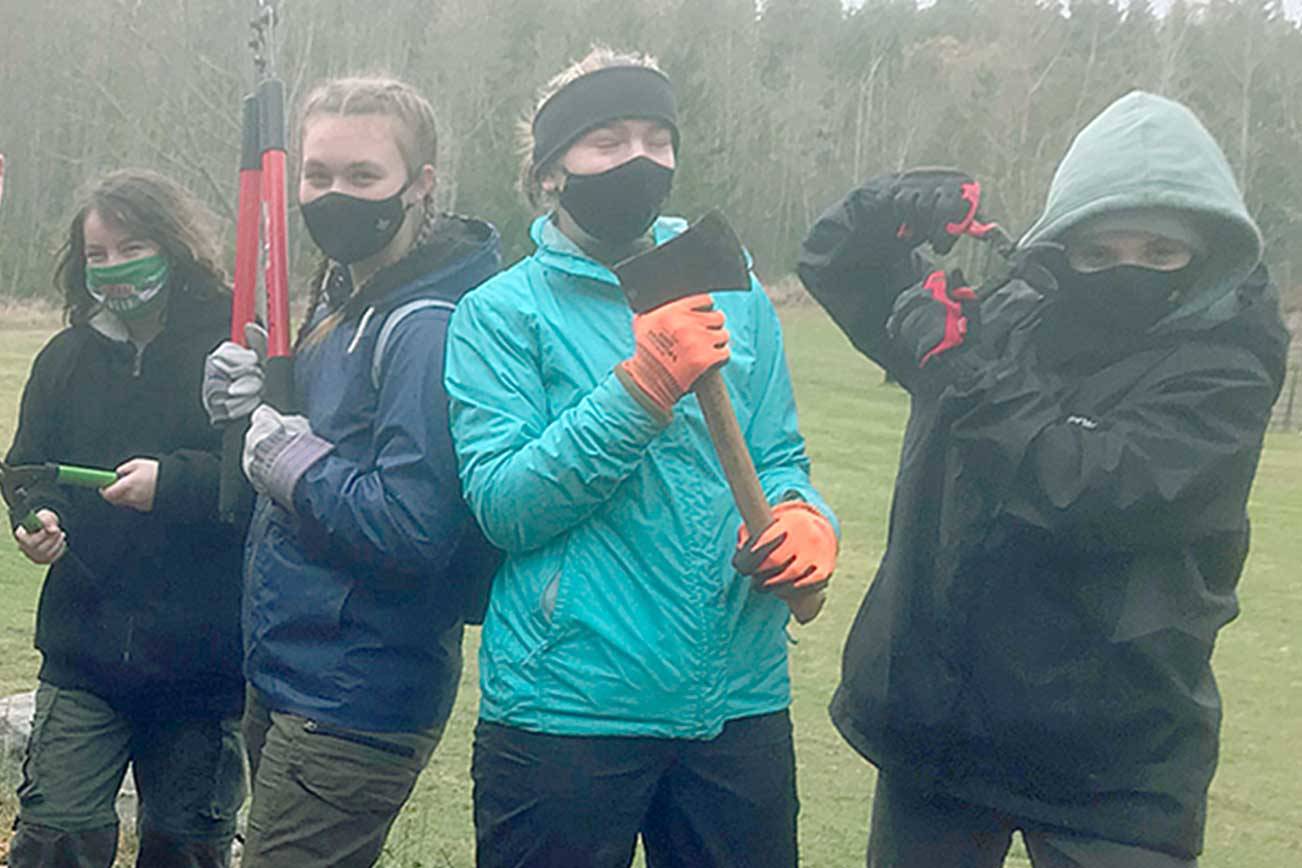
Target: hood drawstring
[{"x": 361, "y": 327}]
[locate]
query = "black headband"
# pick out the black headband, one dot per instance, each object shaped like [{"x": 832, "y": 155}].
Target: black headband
[{"x": 595, "y": 99}]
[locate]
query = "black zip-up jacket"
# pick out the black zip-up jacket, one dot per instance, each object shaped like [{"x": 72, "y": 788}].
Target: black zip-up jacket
[{"x": 146, "y": 615}]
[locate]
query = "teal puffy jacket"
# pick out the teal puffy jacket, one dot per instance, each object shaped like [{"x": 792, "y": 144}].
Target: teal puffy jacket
[{"x": 617, "y": 611}]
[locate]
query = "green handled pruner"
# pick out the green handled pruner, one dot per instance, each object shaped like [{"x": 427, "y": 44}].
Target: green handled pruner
[{"x": 16, "y": 484}]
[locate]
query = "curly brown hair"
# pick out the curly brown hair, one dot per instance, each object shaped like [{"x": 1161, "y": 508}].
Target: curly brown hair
[{"x": 156, "y": 208}]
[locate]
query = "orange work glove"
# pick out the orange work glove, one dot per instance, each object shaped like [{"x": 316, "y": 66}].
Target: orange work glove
[
  {"x": 797, "y": 551},
  {"x": 676, "y": 344}
]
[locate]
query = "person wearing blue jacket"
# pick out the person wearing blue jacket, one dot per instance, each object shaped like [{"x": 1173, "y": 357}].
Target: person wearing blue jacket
[
  {"x": 360, "y": 541},
  {"x": 633, "y": 671}
]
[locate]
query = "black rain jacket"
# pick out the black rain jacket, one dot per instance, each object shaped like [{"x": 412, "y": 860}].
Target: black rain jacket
[{"x": 1069, "y": 518}]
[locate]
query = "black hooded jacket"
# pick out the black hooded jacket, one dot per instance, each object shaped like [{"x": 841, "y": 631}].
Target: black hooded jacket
[
  {"x": 146, "y": 612},
  {"x": 1068, "y": 527}
]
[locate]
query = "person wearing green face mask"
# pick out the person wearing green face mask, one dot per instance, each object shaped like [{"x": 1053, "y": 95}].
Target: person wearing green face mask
[
  {"x": 139, "y": 629},
  {"x": 132, "y": 289}
]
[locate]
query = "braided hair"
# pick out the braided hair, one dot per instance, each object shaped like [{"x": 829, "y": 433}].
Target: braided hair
[{"x": 417, "y": 141}]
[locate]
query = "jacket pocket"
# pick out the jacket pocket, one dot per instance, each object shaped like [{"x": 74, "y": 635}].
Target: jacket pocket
[
  {"x": 547, "y": 601},
  {"x": 286, "y": 591},
  {"x": 553, "y": 598}
]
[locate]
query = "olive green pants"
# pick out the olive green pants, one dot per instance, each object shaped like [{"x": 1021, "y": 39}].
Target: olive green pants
[
  {"x": 189, "y": 777},
  {"x": 325, "y": 796}
]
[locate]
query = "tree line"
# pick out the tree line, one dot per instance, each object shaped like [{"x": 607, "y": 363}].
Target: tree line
[{"x": 785, "y": 104}]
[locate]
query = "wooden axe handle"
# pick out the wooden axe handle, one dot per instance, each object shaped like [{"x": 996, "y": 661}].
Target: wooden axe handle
[{"x": 721, "y": 418}]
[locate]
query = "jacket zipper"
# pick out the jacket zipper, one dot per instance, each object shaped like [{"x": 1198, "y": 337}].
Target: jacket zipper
[
  {"x": 379, "y": 744},
  {"x": 131, "y": 629}
]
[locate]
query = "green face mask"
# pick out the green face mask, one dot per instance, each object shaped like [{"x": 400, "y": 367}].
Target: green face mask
[{"x": 129, "y": 289}]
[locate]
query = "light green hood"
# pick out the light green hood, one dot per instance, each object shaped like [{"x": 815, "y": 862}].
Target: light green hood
[{"x": 1145, "y": 151}]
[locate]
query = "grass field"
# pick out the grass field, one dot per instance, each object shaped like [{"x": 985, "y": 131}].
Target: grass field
[{"x": 853, "y": 424}]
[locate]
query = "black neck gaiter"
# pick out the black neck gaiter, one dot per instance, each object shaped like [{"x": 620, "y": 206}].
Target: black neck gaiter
[{"x": 1127, "y": 298}]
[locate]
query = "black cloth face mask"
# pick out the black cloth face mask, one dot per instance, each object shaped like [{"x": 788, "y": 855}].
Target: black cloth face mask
[
  {"x": 1125, "y": 298},
  {"x": 620, "y": 204},
  {"x": 350, "y": 229}
]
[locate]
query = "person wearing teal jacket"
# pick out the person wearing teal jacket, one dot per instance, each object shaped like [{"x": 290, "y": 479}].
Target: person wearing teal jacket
[{"x": 633, "y": 670}]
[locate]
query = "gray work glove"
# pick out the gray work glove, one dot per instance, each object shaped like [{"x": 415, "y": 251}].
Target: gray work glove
[
  {"x": 278, "y": 450},
  {"x": 232, "y": 377}
]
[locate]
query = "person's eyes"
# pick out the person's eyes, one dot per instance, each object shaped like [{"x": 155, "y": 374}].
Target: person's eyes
[
  {"x": 94, "y": 256},
  {"x": 317, "y": 179},
  {"x": 1165, "y": 254},
  {"x": 1092, "y": 259}
]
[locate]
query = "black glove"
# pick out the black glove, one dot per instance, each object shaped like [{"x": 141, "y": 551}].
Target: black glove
[
  {"x": 933, "y": 317},
  {"x": 893, "y": 214}
]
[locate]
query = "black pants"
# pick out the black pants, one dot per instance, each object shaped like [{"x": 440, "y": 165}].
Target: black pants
[
  {"x": 551, "y": 801},
  {"x": 916, "y": 830}
]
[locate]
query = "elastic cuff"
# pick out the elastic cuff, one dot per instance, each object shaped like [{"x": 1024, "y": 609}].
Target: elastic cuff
[
  {"x": 960, "y": 366},
  {"x": 290, "y": 465},
  {"x": 163, "y": 488},
  {"x": 645, "y": 401}
]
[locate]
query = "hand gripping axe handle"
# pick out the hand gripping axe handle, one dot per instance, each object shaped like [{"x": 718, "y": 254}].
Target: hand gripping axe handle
[{"x": 708, "y": 257}]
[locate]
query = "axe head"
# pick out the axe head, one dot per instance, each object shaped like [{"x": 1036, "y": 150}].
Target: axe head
[{"x": 707, "y": 257}]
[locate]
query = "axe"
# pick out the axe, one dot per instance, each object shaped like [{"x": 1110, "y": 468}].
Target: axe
[{"x": 708, "y": 257}]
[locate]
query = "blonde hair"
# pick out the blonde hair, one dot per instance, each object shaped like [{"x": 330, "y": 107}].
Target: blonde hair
[
  {"x": 382, "y": 95},
  {"x": 416, "y": 134},
  {"x": 598, "y": 57}
]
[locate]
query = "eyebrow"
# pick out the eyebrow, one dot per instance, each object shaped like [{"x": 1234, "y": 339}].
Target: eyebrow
[
  {"x": 358, "y": 164},
  {"x": 130, "y": 239}
]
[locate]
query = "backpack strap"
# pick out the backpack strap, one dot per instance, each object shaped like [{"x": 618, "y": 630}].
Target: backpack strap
[
  {"x": 391, "y": 322},
  {"x": 473, "y": 556}
]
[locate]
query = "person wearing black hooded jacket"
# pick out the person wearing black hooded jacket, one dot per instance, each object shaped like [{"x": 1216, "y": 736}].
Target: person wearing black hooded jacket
[
  {"x": 138, "y": 623},
  {"x": 1069, "y": 520}
]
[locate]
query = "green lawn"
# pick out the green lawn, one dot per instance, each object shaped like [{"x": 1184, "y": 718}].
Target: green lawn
[{"x": 853, "y": 424}]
